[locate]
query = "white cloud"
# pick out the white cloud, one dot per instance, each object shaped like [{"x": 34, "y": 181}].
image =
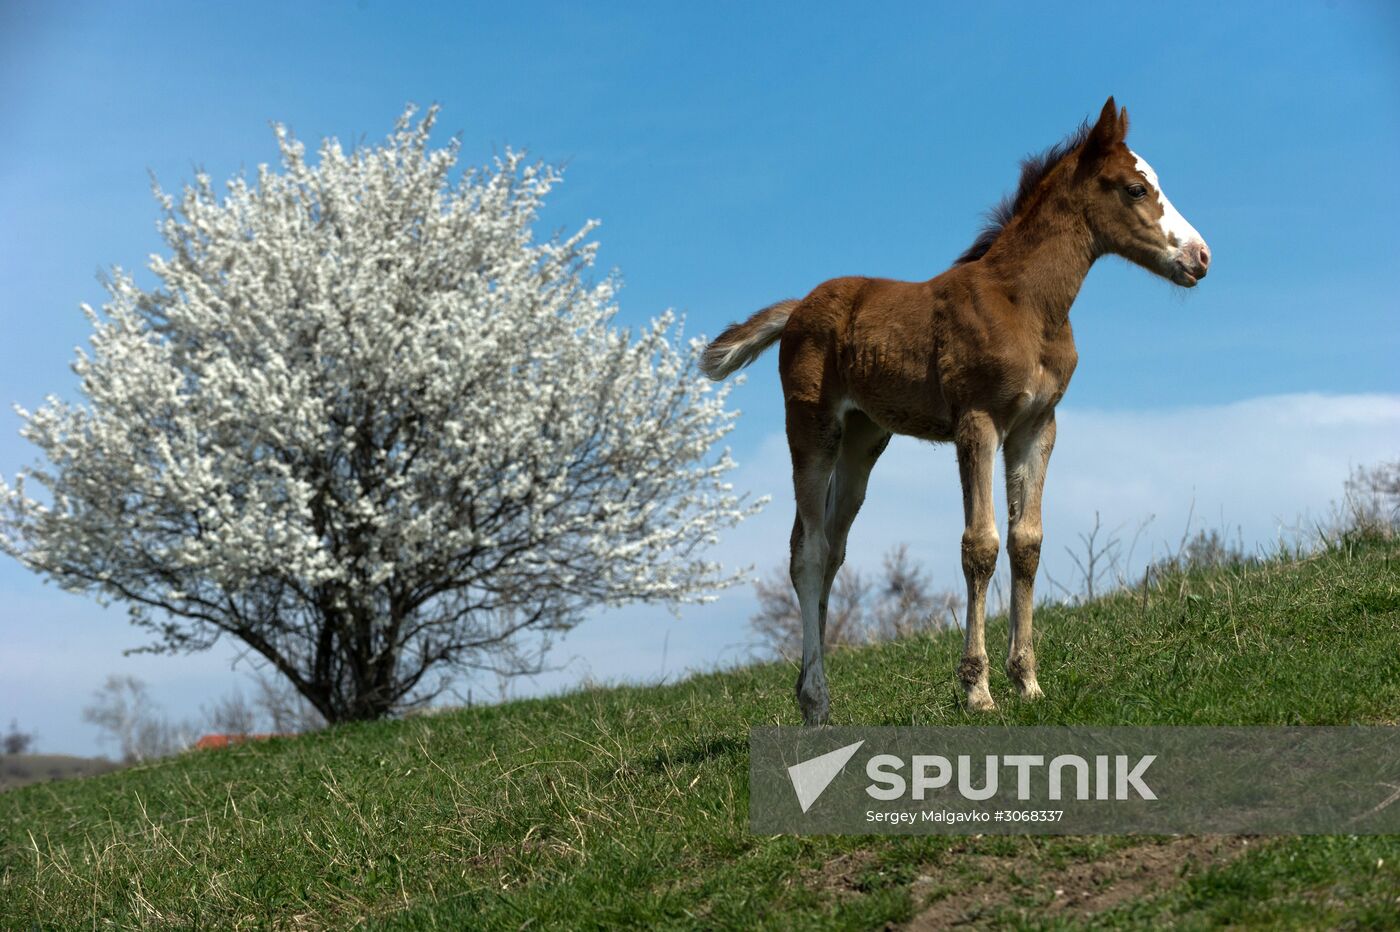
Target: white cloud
[{"x": 1252, "y": 468}]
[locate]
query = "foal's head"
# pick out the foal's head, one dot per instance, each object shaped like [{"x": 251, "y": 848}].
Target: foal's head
[{"x": 1127, "y": 210}]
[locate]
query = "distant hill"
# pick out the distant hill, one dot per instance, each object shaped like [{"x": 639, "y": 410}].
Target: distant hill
[{"x": 21, "y": 769}]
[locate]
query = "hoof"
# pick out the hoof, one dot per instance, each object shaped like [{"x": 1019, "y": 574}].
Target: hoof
[
  {"x": 1030, "y": 690},
  {"x": 979, "y": 699},
  {"x": 815, "y": 713},
  {"x": 972, "y": 674},
  {"x": 815, "y": 706},
  {"x": 1021, "y": 671}
]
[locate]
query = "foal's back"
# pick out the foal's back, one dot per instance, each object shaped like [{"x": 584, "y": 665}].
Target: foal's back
[{"x": 910, "y": 355}]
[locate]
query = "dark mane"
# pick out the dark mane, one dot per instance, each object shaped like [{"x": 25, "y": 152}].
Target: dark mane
[{"x": 1034, "y": 168}]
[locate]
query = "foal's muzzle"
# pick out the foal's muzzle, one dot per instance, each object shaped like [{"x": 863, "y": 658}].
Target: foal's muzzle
[{"x": 1191, "y": 264}]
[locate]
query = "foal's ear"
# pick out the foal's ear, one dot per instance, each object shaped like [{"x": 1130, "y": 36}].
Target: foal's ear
[
  {"x": 1104, "y": 135},
  {"x": 1123, "y": 125},
  {"x": 1105, "y": 132},
  {"x": 1108, "y": 116}
]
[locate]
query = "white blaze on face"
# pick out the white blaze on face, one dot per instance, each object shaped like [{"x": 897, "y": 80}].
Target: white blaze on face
[{"x": 1179, "y": 232}]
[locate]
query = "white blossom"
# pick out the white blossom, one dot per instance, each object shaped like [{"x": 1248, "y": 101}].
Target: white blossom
[{"x": 370, "y": 425}]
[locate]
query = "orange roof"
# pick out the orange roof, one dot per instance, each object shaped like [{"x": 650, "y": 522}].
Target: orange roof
[{"x": 209, "y": 742}]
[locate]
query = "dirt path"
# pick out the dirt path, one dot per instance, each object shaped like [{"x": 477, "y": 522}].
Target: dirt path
[{"x": 1081, "y": 889}]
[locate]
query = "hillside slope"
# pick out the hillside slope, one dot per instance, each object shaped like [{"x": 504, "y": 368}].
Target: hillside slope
[{"x": 628, "y": 806}]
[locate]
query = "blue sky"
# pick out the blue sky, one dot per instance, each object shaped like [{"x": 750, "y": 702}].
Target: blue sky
[{"x": 740, "y": 153}]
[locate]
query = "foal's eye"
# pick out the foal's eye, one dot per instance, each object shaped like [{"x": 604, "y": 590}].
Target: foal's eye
[{"x": 1137, "y": 191}]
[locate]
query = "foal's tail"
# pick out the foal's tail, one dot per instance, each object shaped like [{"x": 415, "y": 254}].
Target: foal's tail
[{"x": 741, "y": 344}]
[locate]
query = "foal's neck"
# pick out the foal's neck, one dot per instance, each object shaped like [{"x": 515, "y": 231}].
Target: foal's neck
[{"x": 1041, "y": 259}]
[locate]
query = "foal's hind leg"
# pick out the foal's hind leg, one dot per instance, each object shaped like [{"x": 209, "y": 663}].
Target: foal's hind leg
[
  {"x": 976, "y": 439},
  {"x": 862, "y": 442},
  {"x": 1027, "y": 454},
  {"x": 814, "y": 438}
]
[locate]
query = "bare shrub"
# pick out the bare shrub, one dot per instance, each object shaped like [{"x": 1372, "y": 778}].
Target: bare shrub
[
  {"x": 907, "y": 604},
  {"x": 16, "y": 741},
  {"x": 900, "y": 602},
  {"x": 1209, "y": 549},
  {"x": 1371, "y": 501},
  {"x": 232, "y": 715},
  {"x": 1370, "y": 507},
  {"x": 286, "y": 711},
  {"x": 123, "y": 709},
  {"x": 778, "y": 622},
  {"x": 1100, "y": 561},
  {"x": 1100, "y": 555}
]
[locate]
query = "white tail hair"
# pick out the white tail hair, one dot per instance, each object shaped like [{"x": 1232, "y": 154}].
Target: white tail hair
[{"x": 741, "y": 344}]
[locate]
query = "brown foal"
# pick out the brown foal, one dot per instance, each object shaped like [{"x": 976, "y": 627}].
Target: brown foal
[{"x": 979, "y": 355}]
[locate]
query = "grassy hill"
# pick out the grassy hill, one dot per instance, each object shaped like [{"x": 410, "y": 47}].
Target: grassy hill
[{"x": 628, "y": 806}]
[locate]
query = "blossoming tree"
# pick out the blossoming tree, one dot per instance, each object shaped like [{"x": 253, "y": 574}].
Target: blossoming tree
[{"x": 371, "y": 427}]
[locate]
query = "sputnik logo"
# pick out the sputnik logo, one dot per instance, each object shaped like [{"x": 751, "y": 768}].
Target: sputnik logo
[{"x": 811, "y": 777}]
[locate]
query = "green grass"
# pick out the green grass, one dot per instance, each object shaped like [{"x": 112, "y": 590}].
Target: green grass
[{"x": 628, "y": 806}]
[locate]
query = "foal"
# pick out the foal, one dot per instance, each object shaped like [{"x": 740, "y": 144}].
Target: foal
[{"x": 979, "y": 355}]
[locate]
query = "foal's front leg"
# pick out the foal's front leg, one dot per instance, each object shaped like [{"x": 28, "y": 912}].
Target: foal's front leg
[
  {"x": 1027, "y": 455},
  {"x": 976, "y": 439}
]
